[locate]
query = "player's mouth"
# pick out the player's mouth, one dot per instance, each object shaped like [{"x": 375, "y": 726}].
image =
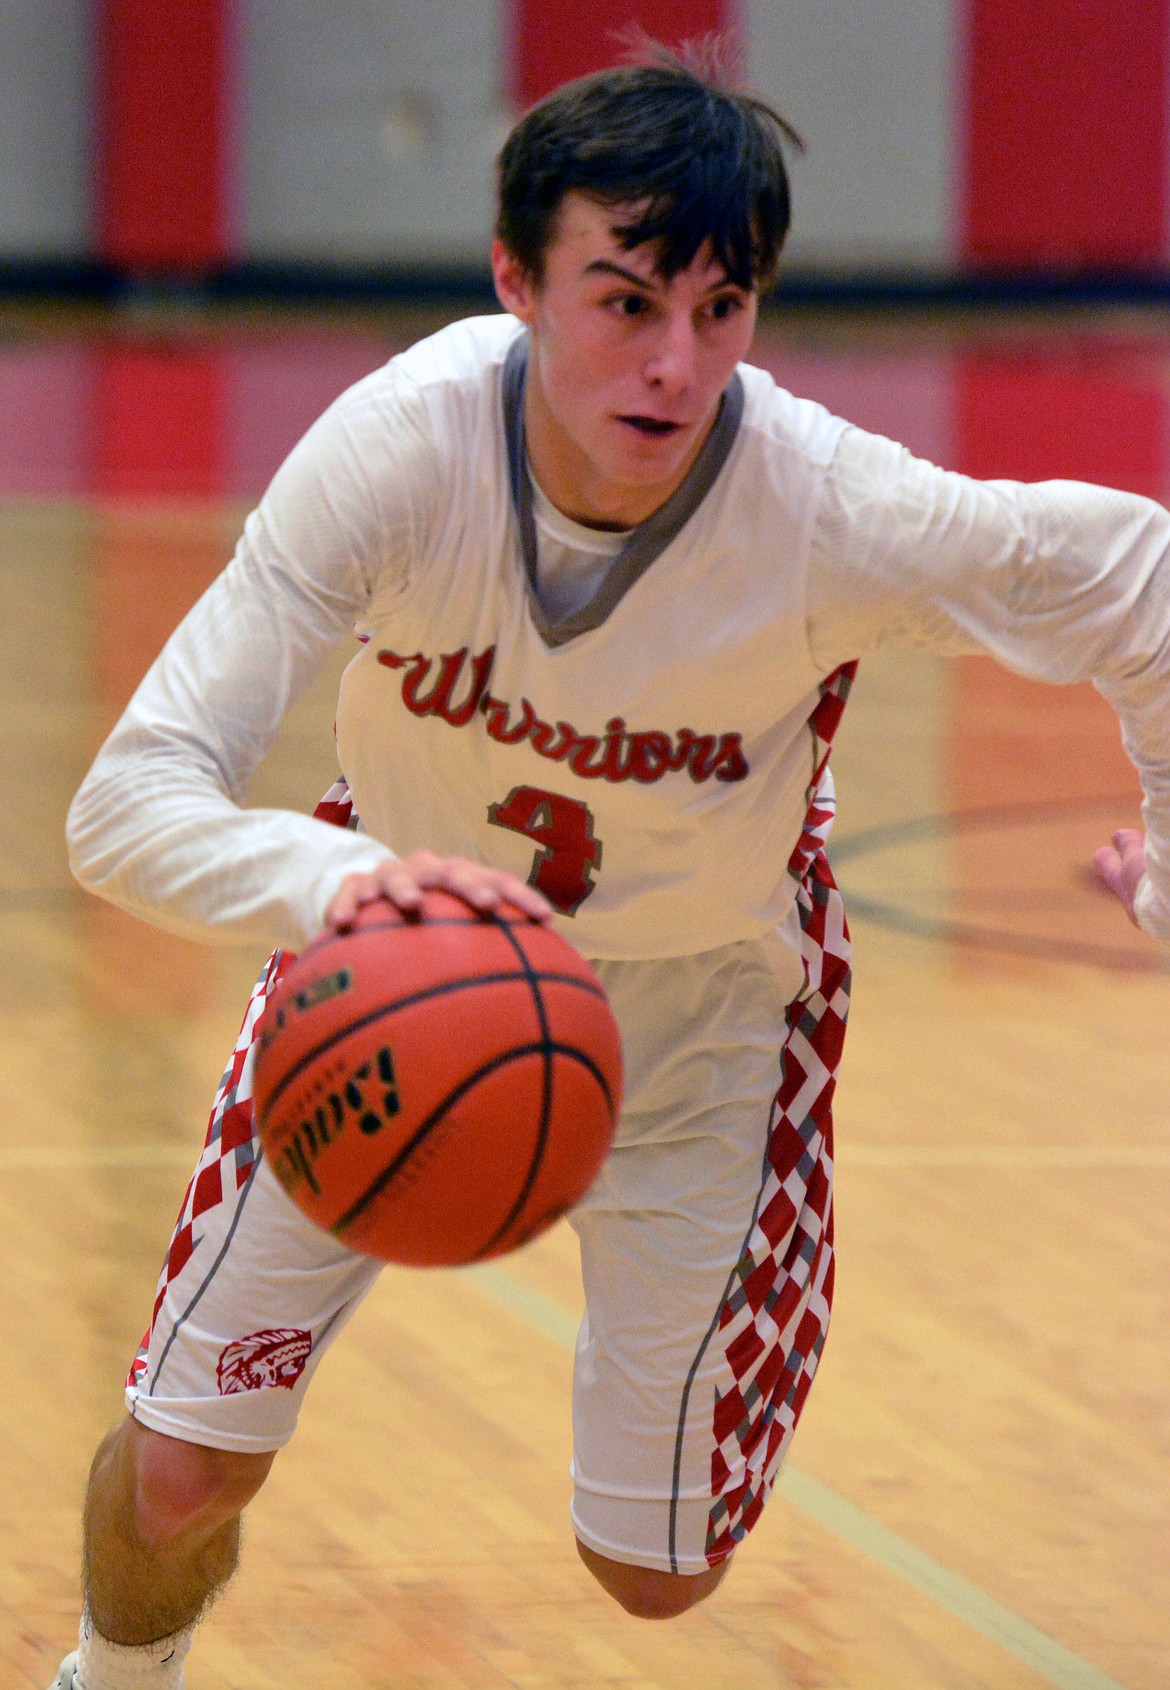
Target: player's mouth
[{"x": 653, "y": 427}]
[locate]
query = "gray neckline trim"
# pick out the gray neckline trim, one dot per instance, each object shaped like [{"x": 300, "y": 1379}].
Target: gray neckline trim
[{"x": 646, "y": 542}]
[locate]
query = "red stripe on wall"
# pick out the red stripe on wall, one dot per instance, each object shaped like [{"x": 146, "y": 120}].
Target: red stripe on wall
[
  {"x": 1066, "y": 132},
  {"x": 161, "y": 200},
  {"x": 554, "y": 40}
]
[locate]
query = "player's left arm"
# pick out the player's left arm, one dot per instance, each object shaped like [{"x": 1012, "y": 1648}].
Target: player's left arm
[{"x": 1061, "y": 581}]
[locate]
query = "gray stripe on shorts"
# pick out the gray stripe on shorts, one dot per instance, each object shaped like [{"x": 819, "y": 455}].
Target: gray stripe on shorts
[
  {"x": 211, "y": 1272},
  {"x": 676, "y": 1480}
]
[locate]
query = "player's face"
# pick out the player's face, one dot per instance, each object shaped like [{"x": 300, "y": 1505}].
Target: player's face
[{"x": 626, "y": 370}]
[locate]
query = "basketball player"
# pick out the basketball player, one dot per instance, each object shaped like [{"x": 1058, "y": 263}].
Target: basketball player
[{"x": 609, "y": 583}]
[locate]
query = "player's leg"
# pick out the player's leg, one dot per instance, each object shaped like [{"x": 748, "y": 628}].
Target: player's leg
[
  {"x": 707, "y": 1258},
  {"x": 161, "y": 1530},
  {"x": 644, "y": 1592},
  {"x": 250, "y": 1296}
]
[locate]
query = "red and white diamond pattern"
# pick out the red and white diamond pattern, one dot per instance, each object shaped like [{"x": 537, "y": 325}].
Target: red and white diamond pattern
[
  {"x": 774, "y": 1321},
  {"x": 230, "y": 1147},
  {"x": 337, "y": 806},
  {"x": 226, "y": 1159}
]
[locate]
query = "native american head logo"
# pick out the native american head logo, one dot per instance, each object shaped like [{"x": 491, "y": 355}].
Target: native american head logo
[{"x": 263, "y": 1359}]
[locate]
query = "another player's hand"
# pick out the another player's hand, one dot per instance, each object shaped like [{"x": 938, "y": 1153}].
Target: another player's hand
[
  {"x": 404, "y": 880},
  {"x": 1120, "y": 866}
]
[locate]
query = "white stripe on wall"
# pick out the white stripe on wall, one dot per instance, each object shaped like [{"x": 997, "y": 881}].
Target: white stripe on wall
[
  {"x": 872, "y": 90},
  {"x": 45, "y": 138},
  {"x": 368, "y": 130}
]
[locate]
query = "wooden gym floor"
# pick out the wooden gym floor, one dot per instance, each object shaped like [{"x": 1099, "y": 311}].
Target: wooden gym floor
[{"x": 979, "y": 1492}]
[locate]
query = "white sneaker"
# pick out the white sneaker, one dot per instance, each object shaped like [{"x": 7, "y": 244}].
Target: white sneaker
[{"x": 67, "y": 1675}]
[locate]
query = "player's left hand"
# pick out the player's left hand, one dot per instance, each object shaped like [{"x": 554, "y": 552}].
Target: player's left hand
[{"x": 1120, "y": 866}]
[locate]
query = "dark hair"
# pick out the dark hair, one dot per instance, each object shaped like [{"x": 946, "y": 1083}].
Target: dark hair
[{"x": 699, "y": 161}]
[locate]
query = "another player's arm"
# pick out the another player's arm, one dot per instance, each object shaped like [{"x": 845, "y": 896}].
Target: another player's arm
[{"x": 1061, "y": 581}]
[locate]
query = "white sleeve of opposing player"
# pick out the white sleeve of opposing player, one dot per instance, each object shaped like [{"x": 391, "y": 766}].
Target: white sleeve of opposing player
[
  {"x": 1060, "y": 580},
  {"x": 158, "y": 826}
]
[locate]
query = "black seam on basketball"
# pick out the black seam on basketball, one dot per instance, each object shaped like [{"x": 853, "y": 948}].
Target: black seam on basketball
[
  {"x": 427, "y": 1127},
  {"x": 442, "y": 989},
  {"x": 541, "y": 1144}
]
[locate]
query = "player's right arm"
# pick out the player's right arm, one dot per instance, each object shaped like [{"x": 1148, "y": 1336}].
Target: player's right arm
[
  {"x": 404, "y": 880},
  {"x": 159, "y": 825}
]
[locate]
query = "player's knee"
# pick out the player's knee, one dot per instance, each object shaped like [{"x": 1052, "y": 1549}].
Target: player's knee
[
  {"x": 180, "y": 1486},
  {"x": 644, "y": 1592}
]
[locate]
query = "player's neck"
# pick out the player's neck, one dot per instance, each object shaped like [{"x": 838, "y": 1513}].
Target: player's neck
[{"x": 582, "y": 491}]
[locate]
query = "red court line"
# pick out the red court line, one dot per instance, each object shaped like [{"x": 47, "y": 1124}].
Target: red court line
[
  {"x": 157, "y": 421},
  {"x": 553, "y": 41},
  {"x": 1065, "y": 132},
  {"x": 44, "y": 400},
  {"x": 163, "y": 167},
  {"x": 1068, "y": 414}
]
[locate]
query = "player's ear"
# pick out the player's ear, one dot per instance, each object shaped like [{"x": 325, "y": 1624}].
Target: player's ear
[{"x": 514, "y": 287}]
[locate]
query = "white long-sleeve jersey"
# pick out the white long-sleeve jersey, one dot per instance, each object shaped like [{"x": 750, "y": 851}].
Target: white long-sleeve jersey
[{"x": 652, "y": 749}]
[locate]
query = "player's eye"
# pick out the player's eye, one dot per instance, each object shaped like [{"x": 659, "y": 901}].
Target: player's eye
[
  {"x": 629, "y": 304},
  {"x": 725, "y": 306}
]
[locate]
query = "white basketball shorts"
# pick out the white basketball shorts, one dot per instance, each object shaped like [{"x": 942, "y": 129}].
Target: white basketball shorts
[{"x": 706, "y": 1248}]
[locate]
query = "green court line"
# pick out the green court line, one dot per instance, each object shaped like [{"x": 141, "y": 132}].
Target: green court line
[
  {"x": 533, "y": 1306},
  {"x": 1033, "y": 1648}
]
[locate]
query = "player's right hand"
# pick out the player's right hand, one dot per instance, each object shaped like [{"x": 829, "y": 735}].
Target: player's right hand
[{"x": 404, "y": 880}]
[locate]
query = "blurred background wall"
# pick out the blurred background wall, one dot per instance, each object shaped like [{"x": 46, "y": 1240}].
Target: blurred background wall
[{"x": 946, "y": 138}]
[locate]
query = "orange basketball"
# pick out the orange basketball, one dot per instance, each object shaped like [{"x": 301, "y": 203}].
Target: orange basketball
[{"x": 437, "y": 1089}]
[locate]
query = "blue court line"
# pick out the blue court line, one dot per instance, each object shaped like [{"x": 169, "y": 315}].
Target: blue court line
[{"x": 1033, "y": 1648}]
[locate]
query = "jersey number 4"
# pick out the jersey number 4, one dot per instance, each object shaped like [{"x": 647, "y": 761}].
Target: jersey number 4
[{"x": 563, "y": 830}]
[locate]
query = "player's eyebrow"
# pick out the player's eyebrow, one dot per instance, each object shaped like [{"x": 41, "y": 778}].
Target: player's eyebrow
[{"x": 607, "y": 267}]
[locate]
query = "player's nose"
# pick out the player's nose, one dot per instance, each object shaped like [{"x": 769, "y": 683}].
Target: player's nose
[{"x": 671, "y": 364}]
